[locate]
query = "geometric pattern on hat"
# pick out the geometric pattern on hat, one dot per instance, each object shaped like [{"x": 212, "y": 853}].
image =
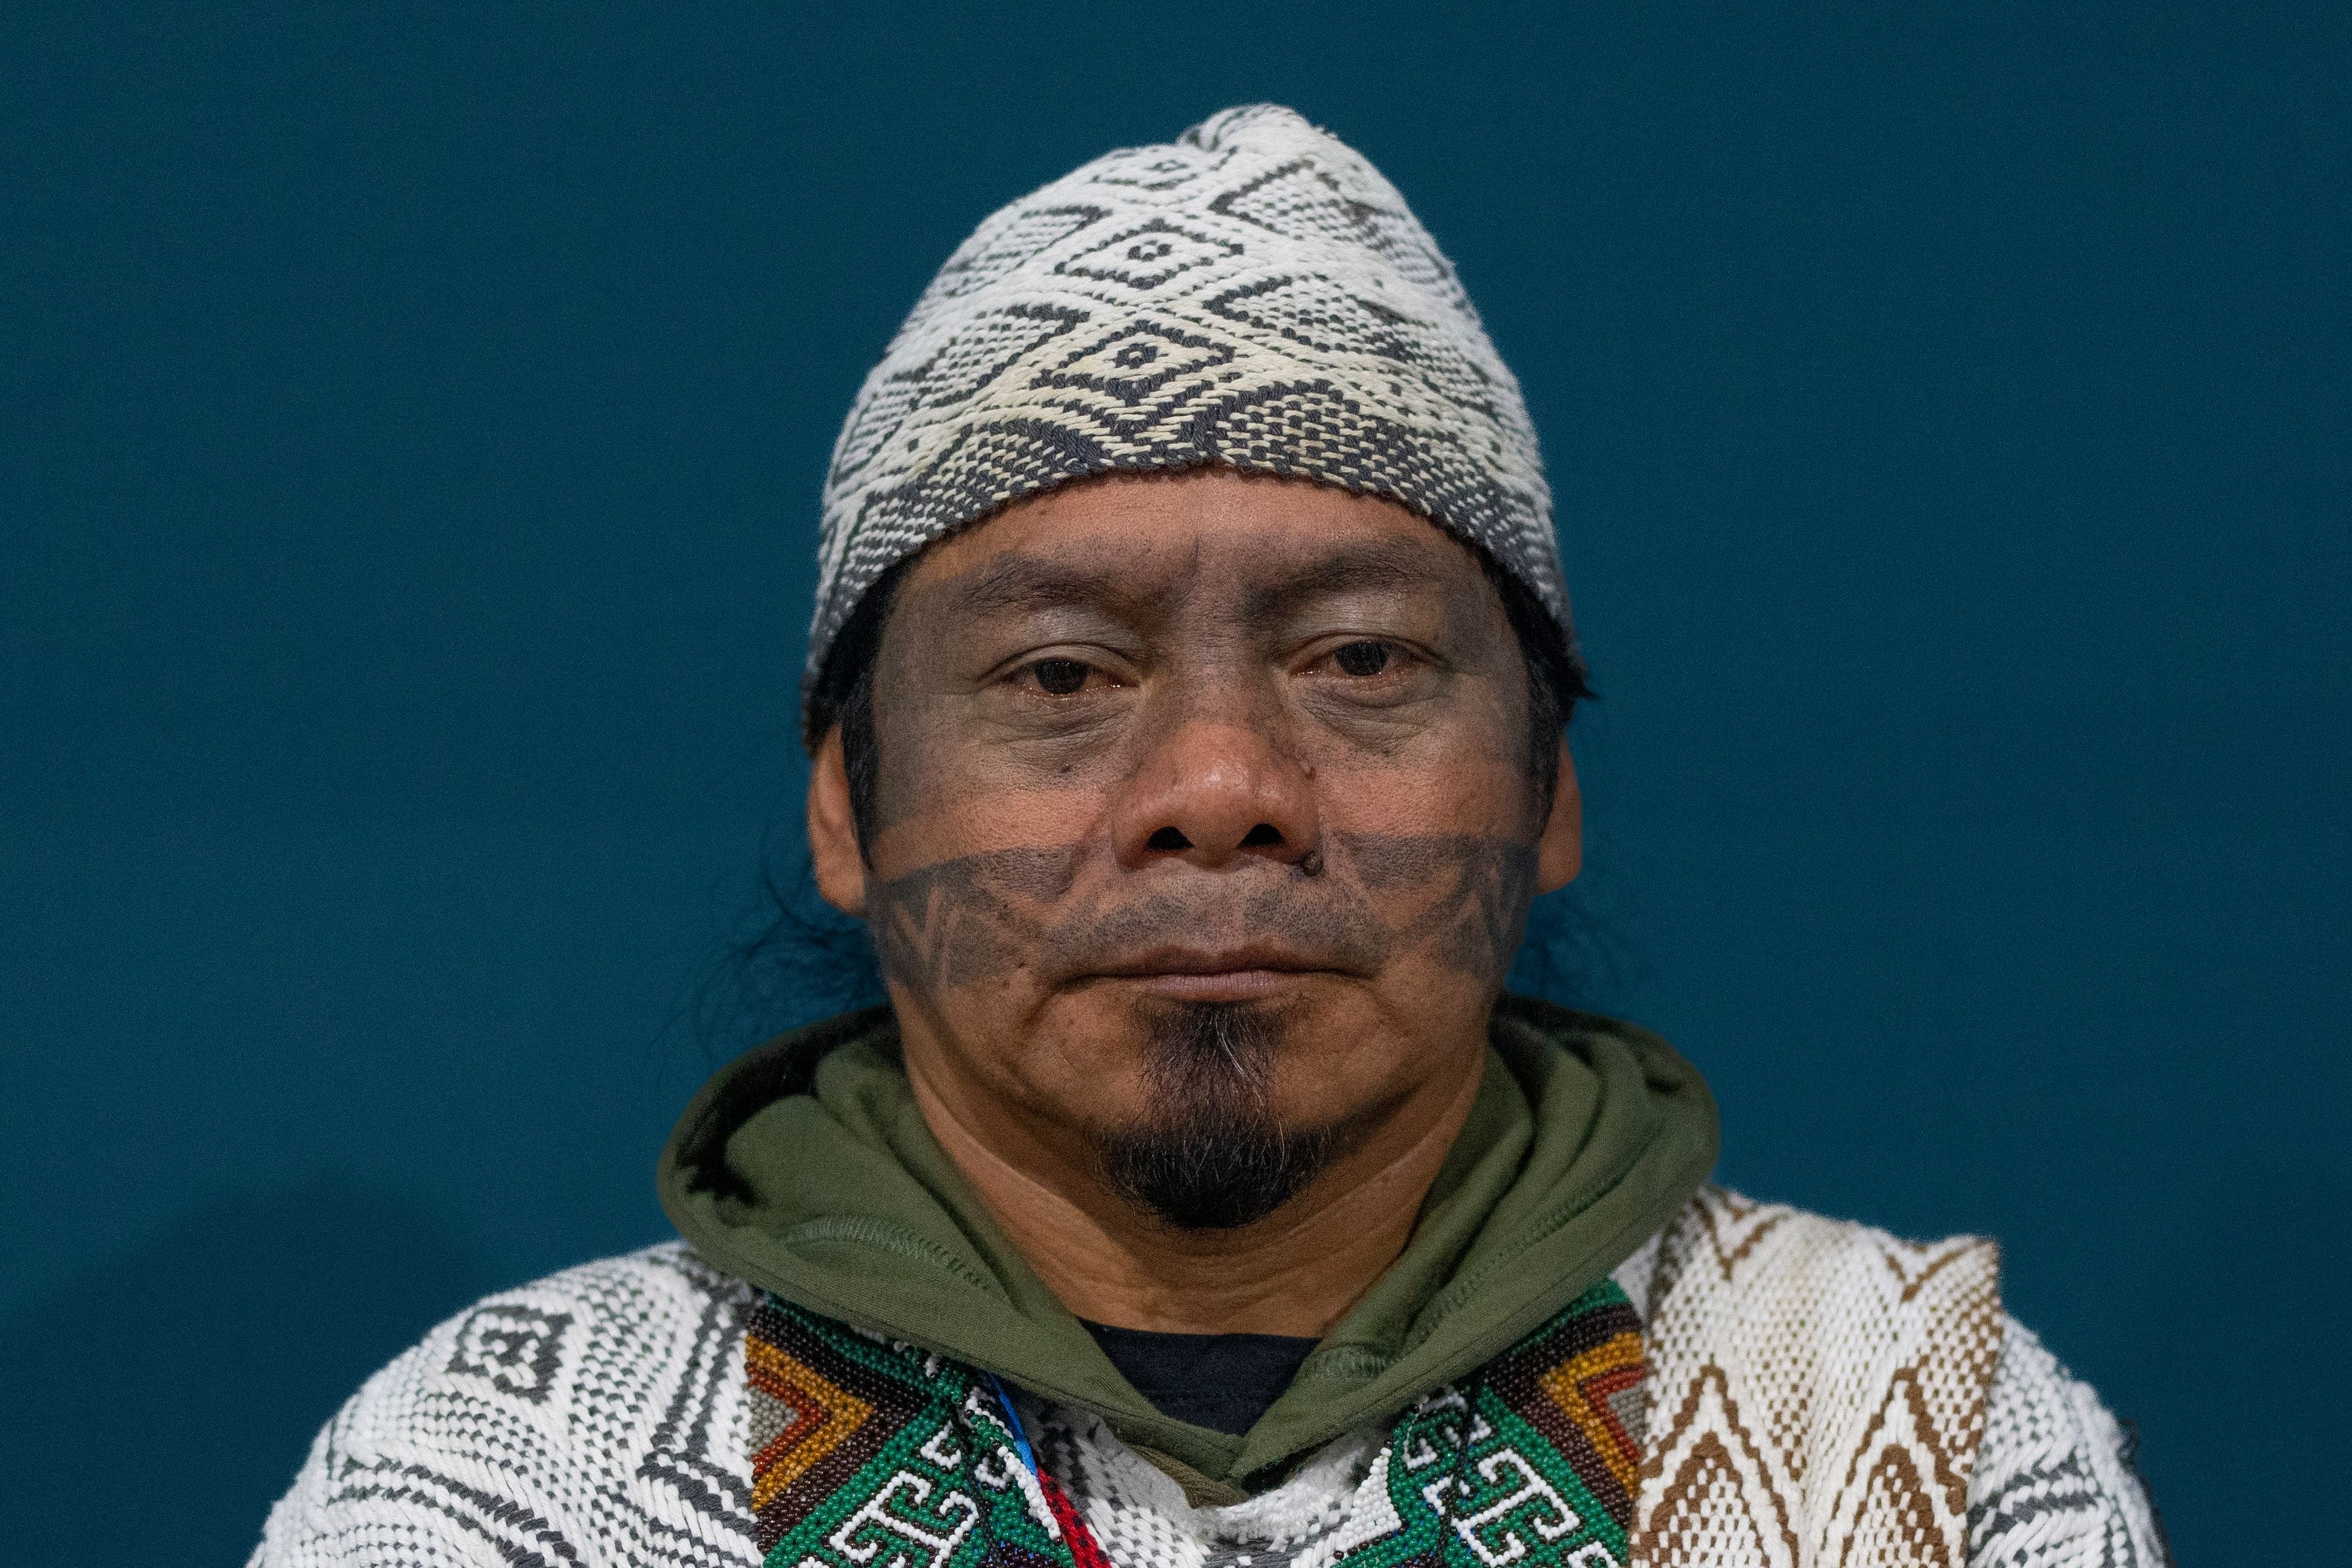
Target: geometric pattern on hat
[{"x": 1253, "y": 296}]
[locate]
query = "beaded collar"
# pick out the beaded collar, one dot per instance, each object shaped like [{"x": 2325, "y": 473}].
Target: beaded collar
[{"x": 871, "y": 1453}]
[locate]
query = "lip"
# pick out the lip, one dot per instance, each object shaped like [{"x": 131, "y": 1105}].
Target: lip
[{"x": 1226, "y": 974}]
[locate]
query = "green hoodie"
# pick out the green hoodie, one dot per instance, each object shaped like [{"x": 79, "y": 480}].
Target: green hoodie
[{"x": 804, "y": 1168}]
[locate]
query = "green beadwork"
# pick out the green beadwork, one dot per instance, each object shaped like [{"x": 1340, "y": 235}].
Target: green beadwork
[{"x": 1471, "y": 1481}]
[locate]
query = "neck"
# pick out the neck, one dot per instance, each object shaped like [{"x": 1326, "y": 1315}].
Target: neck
[{"x": 1296, "y": 1272}]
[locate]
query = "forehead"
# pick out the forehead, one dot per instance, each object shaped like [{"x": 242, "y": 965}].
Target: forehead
[{"x": 1214, "y": 531}]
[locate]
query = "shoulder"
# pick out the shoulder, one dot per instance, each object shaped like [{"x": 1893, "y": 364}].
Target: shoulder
[
  {"x": 1814, "y": 1381},
  {"x": 592, "y": 1416},
  {"x": 1774, "y": 1303},
  {"x": 2055, "y": 1481},
  {"x": 1827, "y": 1366},
  {"x": 1723, "y": 1245}
]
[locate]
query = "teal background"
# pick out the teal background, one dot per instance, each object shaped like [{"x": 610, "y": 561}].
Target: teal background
[{"x": 413, "y": 422}]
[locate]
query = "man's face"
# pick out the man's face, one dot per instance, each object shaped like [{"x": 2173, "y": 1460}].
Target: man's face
[{"x": 1206, "y": 825}]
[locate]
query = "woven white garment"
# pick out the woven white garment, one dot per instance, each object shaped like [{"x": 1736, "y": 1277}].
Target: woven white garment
[
  {"x": 2055, "y": 1481},
  {"x": 1337, "y": 1500},
  {"x": 1823, "y": 1392},
  {"x": 597, "y": 1419},
  {"x": 1818, "y": 1390},
  {"x": 1254, "y": 295}
]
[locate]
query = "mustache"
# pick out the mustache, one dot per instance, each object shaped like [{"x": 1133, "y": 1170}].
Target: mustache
[{"x": 964, "y": 921}]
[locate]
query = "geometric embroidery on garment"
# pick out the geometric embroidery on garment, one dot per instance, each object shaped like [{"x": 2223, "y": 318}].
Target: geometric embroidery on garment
[
  {"x": 1534, "y": 1462},
  {"x": 869, "y": 1453},
  {"x": 630, "y": 1446},
  {"x": 1821, "y": 1390},
  {"x": 517, "y": 1348}
]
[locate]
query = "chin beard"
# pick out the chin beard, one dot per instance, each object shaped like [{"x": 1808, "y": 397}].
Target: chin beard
[{"x": 1211, "y": 1154}]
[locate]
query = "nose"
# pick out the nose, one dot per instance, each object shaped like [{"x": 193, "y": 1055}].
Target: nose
[{"x": 1214, "y": 792}]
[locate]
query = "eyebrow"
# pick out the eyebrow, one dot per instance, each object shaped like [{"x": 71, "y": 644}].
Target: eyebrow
[
  {"x": 1371, "y": 565},
  {"x": 1027, "y": 584},
  {"x": 1016, "y": 584}
]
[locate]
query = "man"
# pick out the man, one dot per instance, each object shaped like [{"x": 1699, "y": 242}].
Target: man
[{"x": 1186, "y": 697}]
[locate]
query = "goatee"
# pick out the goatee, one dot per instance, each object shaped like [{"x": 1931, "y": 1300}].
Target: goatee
[{"x": 1212, "y": 1154}]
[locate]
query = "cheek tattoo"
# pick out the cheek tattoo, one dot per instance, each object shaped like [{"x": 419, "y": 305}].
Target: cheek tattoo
[
  {"x": 1460, "y": 896},
  {"x": 966, "y": 920},
  {"x": 1476, "y": 921}
]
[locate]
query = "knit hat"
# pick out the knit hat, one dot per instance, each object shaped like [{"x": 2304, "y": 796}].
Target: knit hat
[{"x": 1255, "y": 296}]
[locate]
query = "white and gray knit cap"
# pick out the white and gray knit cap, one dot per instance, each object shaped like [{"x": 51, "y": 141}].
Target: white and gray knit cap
[{"x": 1255, "y": 295}]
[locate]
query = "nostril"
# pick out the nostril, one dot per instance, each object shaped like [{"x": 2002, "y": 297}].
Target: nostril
[
  {"x": 1264, "y": 833},
  {"x": 1168, "y": 838}
]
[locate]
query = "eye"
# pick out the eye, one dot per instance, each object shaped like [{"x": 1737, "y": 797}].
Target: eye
[
  {"x": 1059, "y": 677},
  {"x": 1362, "y": 658}
]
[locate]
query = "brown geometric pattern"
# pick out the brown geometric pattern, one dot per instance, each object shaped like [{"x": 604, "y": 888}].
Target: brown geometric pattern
[
  {"x": 1820, "y": 1392},
  {"x": 1600, "y": 1390},
  {"x": 797, "y": 1418},
  {"x": 1254, "y": 295},
  {"x": 608, "y": 1415},
  {"x": 816, "y": 1418},
  {"x": 1582, "y": 1385}
]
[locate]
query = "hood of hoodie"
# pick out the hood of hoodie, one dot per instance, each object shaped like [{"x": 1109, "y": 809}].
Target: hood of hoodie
[{"x": 806, "y": 1168}]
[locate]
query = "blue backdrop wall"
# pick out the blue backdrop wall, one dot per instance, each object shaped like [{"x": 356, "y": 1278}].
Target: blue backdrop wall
[{"x": 413, "y": 417}]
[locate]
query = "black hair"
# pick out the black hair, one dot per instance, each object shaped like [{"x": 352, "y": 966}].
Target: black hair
[
  {"x": 1556, "y": 677},
  {"x": 844, "y": 696},
  {"x": 843, "y": 693}
]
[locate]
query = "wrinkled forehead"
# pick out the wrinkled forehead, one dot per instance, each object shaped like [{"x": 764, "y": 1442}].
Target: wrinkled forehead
[{"x": 1246, "y": 544}]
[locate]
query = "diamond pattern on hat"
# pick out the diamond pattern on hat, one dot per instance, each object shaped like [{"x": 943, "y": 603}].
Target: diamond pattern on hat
[
  {"x": 1138, "y": 361},
  {"x": 1254, "y": 295},
  {"x": 1149, "y": 255}
]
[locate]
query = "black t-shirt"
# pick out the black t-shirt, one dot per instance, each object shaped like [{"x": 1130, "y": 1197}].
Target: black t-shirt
[{"x": 1223, "y": 1382}]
